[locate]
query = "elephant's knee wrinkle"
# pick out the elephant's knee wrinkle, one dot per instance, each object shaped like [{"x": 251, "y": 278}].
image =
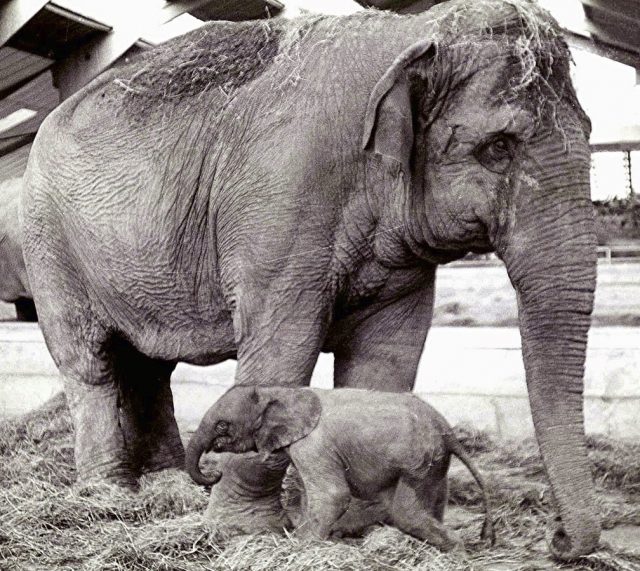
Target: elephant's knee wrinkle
[{"x": 341, "y": 502}]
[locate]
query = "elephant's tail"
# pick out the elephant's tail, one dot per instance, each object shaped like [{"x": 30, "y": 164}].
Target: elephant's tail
[{"x": 454, "y": 446}]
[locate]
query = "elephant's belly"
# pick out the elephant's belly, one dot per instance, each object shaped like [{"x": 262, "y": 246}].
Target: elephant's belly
[
  {"x": 185, "y": 336},
  {"x": 372, "y": 483}
]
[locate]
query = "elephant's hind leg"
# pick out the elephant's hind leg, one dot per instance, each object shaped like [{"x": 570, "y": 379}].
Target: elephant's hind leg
[
  {"x": 146, "y": 411},
  {"x": 412, "y": 513},
  {"x": 92, "y": 395}
]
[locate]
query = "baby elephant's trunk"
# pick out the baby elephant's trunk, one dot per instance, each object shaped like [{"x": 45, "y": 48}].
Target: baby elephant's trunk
[
  {"x": 198, "y": 445},
  {"x": 487, "y": 534}
]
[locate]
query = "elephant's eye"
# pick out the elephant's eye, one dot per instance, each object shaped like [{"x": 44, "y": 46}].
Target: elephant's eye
[
  {"x": 222, "y": 427},
  {"x": 497, "y": 153},
  {"x": 500, "y": 147}
]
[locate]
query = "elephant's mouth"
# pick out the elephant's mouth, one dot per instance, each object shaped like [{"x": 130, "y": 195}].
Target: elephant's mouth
[{"x": 222, "y": 444}]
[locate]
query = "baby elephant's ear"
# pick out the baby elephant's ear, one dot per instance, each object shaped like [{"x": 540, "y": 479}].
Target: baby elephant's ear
[{"x": 288, "y": 415}]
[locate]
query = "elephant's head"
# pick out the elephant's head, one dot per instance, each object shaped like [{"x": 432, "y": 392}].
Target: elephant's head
[
  {"x": 479, "y": 132},
  {"x": 254, "y": 419}
]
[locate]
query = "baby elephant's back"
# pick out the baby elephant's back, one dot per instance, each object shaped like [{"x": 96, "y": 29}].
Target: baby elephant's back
[{"x": 398, "y": 427}]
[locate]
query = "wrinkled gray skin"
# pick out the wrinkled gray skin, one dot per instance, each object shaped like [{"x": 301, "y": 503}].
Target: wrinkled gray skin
[
  {"x": 14, "y": 284},
  {"x": 391, "y": 448},
  {"x": 267, "y": 191}
]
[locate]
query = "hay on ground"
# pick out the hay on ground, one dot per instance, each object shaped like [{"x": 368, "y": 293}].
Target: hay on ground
[{"x": 46, "y": 522}]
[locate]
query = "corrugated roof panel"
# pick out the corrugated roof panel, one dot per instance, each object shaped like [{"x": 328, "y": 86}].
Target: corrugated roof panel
[
  {"x": 15, "y": 163},
  {"x": 16, "y": 65},
  {"x": 409, "y": 6},
  {"x": 617, "y": 24},
  {"x": 39, "y": 95},
  {"x": 51, "y": 34},
  {"x": 235, "y": 10}
]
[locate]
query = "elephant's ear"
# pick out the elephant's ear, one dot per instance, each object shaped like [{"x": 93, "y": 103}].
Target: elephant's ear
[
  {"x": 288, "y": 415},
  {"x": 388, "y": 122}
]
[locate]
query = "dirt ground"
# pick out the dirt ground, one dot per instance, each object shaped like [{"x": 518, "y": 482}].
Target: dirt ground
[{"x": 49, "y": 523}]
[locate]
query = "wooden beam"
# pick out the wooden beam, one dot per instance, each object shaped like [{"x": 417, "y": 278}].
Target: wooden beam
[
  {"x": 609, "y": 51},
  {"x": 15, "y": 86},
  {"x": 78, "y": 18},
  {"x": 10, "y": 144},
  {"x": 626, "y": 8},
  {"x": 620, "y": 36},
  {"x": 615, "y": 147},
  {"x": 16, "y": 13},
  {"x": 179, "y": 7},
  {"x": 97, "y": 55}
]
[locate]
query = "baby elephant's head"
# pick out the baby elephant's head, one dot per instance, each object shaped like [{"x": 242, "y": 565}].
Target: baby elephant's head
[{"x": 248, "y": 418}]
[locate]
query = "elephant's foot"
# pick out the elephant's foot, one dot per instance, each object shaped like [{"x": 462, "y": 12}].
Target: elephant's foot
[
  {"x": 168, "y": 453},
  {"x": 247, "y": 498},
  {"x": 111, "y": 466}
]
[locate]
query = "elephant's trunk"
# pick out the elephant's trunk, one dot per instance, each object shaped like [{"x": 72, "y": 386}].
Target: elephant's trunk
[
  {"x": 550, "y": 254},
  {"x": 200, "y": 442}
]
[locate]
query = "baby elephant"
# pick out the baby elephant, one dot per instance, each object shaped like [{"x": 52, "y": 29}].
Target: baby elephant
[{"x": 390, "y": 447}]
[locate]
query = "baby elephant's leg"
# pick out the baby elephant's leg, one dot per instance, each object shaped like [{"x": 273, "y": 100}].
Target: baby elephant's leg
[
  {"x": 412, "y": 512},
  {"x": 360, "y": 515},
  {"x": 439, "y": 496},
  {"x": 327, "y": 496}
]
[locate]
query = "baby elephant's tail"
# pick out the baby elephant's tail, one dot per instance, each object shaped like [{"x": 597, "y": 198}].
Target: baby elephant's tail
[{"x": 454, "y": 446}]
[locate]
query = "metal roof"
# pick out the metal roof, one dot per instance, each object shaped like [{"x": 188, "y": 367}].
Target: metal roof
[
  {"x": 17, "y": 66},
  {"x": 401, "y": 6},
  {"x": 54, "y": 33},
  {"x": 38, "y": 95}
]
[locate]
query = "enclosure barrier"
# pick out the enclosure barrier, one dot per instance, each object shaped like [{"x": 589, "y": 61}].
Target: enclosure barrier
[{"x": 472, "y": 375}]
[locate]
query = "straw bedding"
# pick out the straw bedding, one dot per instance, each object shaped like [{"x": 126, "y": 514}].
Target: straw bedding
[{"x": 47, "y": 522}]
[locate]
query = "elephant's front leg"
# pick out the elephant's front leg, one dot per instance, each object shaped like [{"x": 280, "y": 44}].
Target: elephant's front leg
[
  {"x": 248, "y": 494},
  {"x": 326, "y": 491},
  {"x": 380, "y": 347},
  {"x": 279, "y": 336}
]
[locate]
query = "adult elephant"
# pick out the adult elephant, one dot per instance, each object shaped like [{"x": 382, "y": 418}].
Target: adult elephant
[
  {"x": 14, "y": 285},
  {"x": 266, "y": 191}
]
